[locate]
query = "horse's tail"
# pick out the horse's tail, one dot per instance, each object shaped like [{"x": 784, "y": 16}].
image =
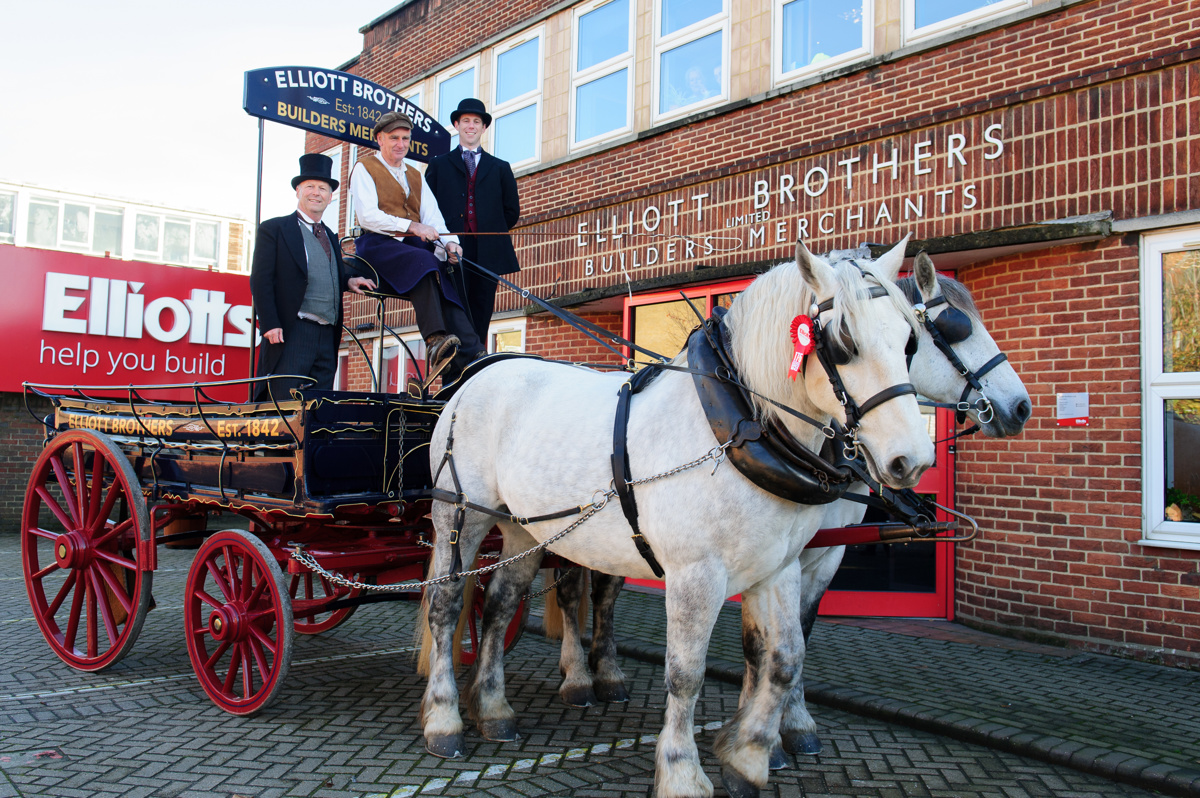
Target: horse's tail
[
  {"x": 553, "y": 619},
  {"x": 424, "y": 637}
]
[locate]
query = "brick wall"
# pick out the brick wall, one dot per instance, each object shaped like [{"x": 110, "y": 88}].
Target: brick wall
[
  {"x": 1061, "y": 507},
  {"x": 22, "y": 437}
]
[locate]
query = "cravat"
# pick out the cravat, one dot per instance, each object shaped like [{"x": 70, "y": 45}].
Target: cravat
[
  {"x": 469, "y": 157},
  {"x": 319, "y": 232}
]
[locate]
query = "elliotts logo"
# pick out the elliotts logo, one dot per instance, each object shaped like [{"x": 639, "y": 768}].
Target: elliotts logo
[{"x": 117, "y": 308}]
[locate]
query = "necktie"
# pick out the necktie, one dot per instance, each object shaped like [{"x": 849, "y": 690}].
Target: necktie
[
  {"x": 322, "y": 239},
  {"x": 469, "y": 157}
]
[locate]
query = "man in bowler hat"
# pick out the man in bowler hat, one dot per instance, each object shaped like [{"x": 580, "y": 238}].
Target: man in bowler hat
[
  {"x": 406, "y": 241},
  {"x": 297, "y": 280},
  {"x": 477, "y": 193}
]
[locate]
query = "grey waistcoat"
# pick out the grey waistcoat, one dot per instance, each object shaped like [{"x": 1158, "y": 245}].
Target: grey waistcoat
[{"x": 323, "y": 295}]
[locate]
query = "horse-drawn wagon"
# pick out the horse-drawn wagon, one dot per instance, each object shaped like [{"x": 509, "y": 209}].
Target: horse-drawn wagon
[{"x": 338, "y": 479}]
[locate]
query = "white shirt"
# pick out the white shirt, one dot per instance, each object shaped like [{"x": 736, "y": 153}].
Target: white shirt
[{"x": 370, "y": 217}]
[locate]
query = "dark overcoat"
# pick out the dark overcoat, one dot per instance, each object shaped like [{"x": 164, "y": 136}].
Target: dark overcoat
[
  {"x": 497, "y": 207},
  {"x": 279, "y": 278}
]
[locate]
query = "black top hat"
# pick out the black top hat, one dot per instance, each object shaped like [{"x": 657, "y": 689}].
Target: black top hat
[
  {"x": 315, "y": 166},
  {"x": 471, "y": 106}
]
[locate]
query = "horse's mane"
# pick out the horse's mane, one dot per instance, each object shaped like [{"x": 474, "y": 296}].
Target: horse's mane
[
  {"x": 955, "y": 292},
  {"x": 760, "y": 322}
]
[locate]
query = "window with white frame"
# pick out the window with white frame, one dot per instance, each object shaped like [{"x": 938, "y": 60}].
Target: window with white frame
[
  {"x": 812, "y": 37},
  {"x": 506, "y": 335},
  {"x": 74, "y": 226},
  {"x": 517, "y": 97},
  {"x": 1170, "y": 269},
  {"x": 332, "y": 213},
  {"x": 341, "y": 377},
  {"x": 401, "y": 362},
  {"x": 601, "y": 71},
  {"x": 930, "y": 17},
  {"x": 453, "y": 87},
  {"x": 174, "y": 239},
  {"x": 691, "y": 54},
  {"x": 8, "y": 217}
]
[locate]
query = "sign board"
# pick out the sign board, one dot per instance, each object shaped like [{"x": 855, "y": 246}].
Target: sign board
[
  {"x": 1072, "y": 410},
  {"x": 338, "y": 105},
  {"x": 74, "y": 319}
]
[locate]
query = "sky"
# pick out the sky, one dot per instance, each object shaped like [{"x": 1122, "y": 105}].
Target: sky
[{"x": 143, "y": 100}]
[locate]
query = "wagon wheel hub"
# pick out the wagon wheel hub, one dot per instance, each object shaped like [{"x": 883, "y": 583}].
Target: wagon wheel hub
[
  {"x": 72, "y": 550},
  {"x": 229, "y": 623}
]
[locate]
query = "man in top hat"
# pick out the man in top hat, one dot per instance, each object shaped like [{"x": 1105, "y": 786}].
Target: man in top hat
[
  {"x": 297, "y": 280},
  {"x": 406, "y": 242},
  {"x": 477, "y": 193}
]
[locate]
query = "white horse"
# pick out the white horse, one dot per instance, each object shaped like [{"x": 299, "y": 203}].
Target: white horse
[
  {"x": 532, "y": 438},
  {"x": 997, "y": 401}
]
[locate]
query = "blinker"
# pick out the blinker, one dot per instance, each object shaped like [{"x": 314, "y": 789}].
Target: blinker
[{"x": 953, "y": 324}]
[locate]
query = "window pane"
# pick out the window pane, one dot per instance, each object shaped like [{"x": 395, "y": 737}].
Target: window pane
[
  {"x": 927, "y": 12},
  {"x": 43, "y": 225},
  {"x": 518, "y": 71},
  {"x": 177, "y": 241},
  {"x": 600, "y": 105},
  {"x": 1181, "y": 311},
  {"x": 514, "y": 135},
  {"x": 664, "y": 326},
  {"x": 507, "y": 341},
  {"x": 145, "y": 234},
  {"x": 690, "y": 73},
  {"x": 76, "y": 220},
  {"x": 603, "y": 34},
  {"x": 206, "y": 242},
  {"x": 450, "y": 92},
  {"x": 8, "y": 210},
  {"x": 678, "y": 14},
  {"x": 108, "y": 232},
  {"x": 812, "y": 35},
  {"x": 1181, "y": 425}
]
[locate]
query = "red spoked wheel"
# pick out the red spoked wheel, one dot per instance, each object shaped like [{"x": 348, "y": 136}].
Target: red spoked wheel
[
  {"x": 309, "y": 586},
  {"x": 470, "y": 648},
  {"x": 84, "y": 515},
  {"x": 238, "y": 620}
]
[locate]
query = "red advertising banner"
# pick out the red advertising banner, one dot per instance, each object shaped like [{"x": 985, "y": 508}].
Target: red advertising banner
[{"x": 72, "y": 319}]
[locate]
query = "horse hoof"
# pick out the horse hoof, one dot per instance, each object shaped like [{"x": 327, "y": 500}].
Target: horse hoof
[
  {"x": 807, "y": 743},
  {"x": 578, "y": 696},
  {"x": 736, "y": 786},
  {"x": 498, "y": 731},
  {"x": 446, "y": 746},
  {"x": 612, "y": 692},
  {"x": 779, "y": 760}
]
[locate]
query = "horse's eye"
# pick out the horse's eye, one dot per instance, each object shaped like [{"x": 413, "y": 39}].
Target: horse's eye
[
  {"x": 954, "y": 325},
  {"x": 910, "y": 348}
]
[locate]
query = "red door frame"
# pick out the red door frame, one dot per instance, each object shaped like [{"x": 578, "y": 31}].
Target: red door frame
[{"x": 939, "y": 480}]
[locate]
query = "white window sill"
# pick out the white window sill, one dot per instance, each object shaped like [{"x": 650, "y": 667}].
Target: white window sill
[{"x": 1191, "y": 545}]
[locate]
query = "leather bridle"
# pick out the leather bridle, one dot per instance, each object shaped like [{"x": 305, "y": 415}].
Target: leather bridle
[{"x": 953, "y": 326}]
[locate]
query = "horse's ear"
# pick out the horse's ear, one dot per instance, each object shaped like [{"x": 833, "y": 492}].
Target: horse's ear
[
  {"x": 926, "y": 275},
  {"x": 890, "y": 262},
  {"x": 813, "y": 270}
]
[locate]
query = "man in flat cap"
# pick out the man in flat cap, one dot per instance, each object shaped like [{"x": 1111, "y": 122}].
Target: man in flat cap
[
  {"x": 477, "y": 193},
  {"x": 297, "y": 280},
  {"x": 406, "y": 241}
]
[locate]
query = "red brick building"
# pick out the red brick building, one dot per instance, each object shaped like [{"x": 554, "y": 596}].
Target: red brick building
[{"x": 1045, "y": 153}]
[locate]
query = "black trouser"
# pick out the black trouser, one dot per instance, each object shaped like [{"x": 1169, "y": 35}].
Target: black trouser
[
  {"x": 437, "y": 315},
  {"x": 480, "y": 291},
  {"x": 309, "y": 349}
]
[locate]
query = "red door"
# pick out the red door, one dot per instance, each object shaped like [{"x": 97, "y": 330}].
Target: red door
[{"x": 914, "y": 580}]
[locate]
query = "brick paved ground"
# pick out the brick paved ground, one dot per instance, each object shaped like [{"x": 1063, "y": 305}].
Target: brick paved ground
[{"x": 345, "y": 726}]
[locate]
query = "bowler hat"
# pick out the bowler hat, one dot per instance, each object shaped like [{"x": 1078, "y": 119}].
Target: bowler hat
[
  {"x": 470, "y": 105},
  {"x": 315, "y": 166},
  {"x": 390, "y": 121}
]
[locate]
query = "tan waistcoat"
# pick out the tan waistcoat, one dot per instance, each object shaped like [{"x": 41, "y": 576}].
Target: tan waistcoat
[{"x": 392, "y": 198}]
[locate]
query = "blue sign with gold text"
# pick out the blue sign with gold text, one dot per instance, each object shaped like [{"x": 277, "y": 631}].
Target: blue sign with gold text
[{"x": 338, "y": 105}]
